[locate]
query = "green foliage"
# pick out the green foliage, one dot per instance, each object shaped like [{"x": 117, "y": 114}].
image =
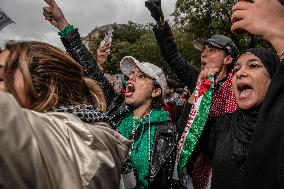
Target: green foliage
[
  {"x": 193, "y": 19},
  {"x": 202, "y": 19},
  {"x": 132, "y": 40}
]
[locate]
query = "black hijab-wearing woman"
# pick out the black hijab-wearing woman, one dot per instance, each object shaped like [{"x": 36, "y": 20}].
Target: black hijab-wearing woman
[
  {"x": 264, "y": 166},
  {"x": 246, "y": 125},
  {"x": 230, "y": 139}
]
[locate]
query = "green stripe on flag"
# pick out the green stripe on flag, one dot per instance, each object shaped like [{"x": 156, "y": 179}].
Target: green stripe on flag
[{"x": 196, "y": 128}]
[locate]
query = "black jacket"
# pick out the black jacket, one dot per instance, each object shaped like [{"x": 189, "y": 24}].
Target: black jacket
[
  {"x": 264, "y": 167},
  {"x": 187, "y": 73},
  {"x": 164, "y": 149}
]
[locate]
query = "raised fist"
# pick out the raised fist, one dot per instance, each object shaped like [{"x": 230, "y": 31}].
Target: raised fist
[{"x": 154, "y": 7}]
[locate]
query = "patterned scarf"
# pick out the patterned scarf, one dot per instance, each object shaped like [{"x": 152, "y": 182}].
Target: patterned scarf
[
  {"x": 87, "y": 113},
  {"x": 224, "y": 100}
]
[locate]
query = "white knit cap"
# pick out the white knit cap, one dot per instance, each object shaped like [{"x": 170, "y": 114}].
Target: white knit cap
[{"x": 128, "y": 63}]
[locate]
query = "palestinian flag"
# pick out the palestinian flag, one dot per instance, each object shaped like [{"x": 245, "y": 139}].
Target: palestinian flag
[{"x": 196, "y": 122}]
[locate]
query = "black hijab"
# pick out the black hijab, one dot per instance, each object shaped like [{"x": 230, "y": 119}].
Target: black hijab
[
  {"x": 246, "y": 119},
  {"x": 267, "y": 57}
]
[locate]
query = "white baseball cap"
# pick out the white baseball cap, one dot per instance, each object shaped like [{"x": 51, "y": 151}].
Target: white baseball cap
[{"x": 128, "y": 63}]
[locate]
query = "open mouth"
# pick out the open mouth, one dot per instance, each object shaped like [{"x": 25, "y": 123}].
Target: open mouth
[
  {"x": 245, "y": 90},
  {"x": 129, "y": 90}
]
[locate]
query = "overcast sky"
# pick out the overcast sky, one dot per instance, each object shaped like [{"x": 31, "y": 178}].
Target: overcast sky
[{"x": 84, "y": 14}]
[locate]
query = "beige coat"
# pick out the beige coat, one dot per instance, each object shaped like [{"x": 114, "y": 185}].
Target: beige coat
[{"x": 56, "y": 150}]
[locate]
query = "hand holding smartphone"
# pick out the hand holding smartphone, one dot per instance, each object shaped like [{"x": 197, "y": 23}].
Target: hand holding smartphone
[{"x": 107, "y": 39}]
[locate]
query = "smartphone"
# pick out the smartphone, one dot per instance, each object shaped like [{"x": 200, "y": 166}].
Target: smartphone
[{"x": 107, "y": 39}]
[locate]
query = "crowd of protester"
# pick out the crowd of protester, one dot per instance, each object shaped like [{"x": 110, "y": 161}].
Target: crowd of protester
[{"x": 65, "y": 125}]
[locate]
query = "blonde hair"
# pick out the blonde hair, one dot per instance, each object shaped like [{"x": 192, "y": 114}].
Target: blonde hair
[{"x": 51, "y": 77}]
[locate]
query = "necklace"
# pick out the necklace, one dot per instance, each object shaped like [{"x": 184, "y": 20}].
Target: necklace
[{"x": 134, "y": 129}]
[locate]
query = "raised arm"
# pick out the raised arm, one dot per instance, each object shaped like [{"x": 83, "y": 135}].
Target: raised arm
[
  {"x": 102, "y": 56},
  {"x": 182, "y": 68},
  {"x": 71, "y": 40}
]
